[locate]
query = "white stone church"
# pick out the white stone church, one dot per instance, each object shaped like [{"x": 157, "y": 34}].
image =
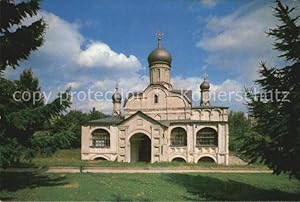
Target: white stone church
[{"x": 159, "y": 124}]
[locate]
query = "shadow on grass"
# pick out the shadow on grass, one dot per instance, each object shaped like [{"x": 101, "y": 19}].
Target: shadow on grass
[
  {"x": 12, "y": 182},
  {"x": 210, "y": 188}
]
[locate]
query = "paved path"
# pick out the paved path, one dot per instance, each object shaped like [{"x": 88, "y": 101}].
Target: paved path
[{"x": 127, "y": 170}]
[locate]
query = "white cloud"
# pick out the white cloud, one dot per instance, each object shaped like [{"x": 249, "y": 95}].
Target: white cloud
[
  {"x": 73, "y": 85},
  {"x": 103, "y": 106},
  {"x": 101, "y": 55},
  {"x": 229, "y": 93},
  {"x": 233, "y": 90},
  {"x": 137, "y": 84},
  {"x": 193, "y": 83},
  {"x": 238, "y": 42},
  {"x": 189, "y": 83},
  {"x": 62, "y": 60},
  {"x": 101, "y": 91},
  {"x": 133, "y": 83},
  {"x": 63, "y": 42},
  {"x": 227, "y": 85},
  {"x": 62, "y": 39},
  {"x": 237, "y": 32}
]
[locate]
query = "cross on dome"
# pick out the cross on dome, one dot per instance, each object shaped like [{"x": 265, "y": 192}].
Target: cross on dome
[
  {"x": 159, "y": 55},
  {"x": 159, "y": 36},
  {"x": 205, "y": 84}
]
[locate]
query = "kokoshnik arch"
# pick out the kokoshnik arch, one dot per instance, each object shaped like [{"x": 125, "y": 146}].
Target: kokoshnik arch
[{"x": 159, "y": 124}]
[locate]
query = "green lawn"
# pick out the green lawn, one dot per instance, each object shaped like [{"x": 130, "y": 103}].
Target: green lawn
[
  {"x": 147, "y": 187},
  {"x": 72, "y": 158}
]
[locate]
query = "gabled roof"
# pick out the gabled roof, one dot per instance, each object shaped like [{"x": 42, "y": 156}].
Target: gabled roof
[
  {"x": 112, "y": 120},
  {"x": 145, "y": 116}
]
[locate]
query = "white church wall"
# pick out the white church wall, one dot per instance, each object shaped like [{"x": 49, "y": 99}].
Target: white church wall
[
  {"x": 195, "y": 115},
  {"x": 169, "y": 106},
  {"x": 216, "y": 115},
  {"x": 205, "y": 115}
]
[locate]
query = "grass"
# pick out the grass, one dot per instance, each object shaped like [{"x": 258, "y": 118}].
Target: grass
[
  {"x": 72, "y": 158},
  {"x": 146, "y": 187}
]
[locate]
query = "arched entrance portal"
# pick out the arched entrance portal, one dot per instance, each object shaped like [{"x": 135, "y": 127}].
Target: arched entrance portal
[{"x": 140, "y": 148}]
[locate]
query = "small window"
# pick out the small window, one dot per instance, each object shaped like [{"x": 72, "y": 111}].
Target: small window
[
  {"x": 158, "y": 74},
  {"x": 155, "y": 98}
]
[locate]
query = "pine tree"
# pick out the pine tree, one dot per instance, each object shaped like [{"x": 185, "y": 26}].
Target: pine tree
[
  {"x": 29, "y": 84},
  {"x": 20, "y": 118},
  {"x": 17, "y": 40},
  {"x": 275, "y": 140}
]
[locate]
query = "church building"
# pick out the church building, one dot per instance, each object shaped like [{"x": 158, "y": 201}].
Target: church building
[{"x": 159, "y": 124}]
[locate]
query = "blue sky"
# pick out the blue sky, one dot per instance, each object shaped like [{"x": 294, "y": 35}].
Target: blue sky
[
  {"x": 94, "y": 44},
  {"x": 130, "y": 26}
]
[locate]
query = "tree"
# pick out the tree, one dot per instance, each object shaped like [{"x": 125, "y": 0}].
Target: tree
[
  {"x": 66, "y": 129},
  {"x": 30, "y": 84},
  {"x": 275, "y": 139},
  {"x": 20, "y": 118},
  {"x": 13, "y": 32},
  {"x": 69, "y": 123},
  {"x": 239, "y": 126},
  {"x": 94, "y": 114}
]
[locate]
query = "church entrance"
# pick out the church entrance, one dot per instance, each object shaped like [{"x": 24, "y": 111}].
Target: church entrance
[{"x": 140, "y": 148}]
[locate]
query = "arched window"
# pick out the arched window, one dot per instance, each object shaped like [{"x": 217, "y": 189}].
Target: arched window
[
  {"x": 100, "y": 159},
  {"x": 207, "y": 137},
  {"x": 178, "y": 137},
  {"x": 100, "y": 139},
  {"x": 206, "y": 159},
  {"x": 178, "y": 159}
]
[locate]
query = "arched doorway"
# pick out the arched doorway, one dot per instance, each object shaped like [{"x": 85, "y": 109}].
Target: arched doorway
[{"x": 140, "y": 148}]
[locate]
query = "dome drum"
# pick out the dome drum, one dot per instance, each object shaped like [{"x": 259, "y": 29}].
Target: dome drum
[{"x": 116, "y": 97}]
